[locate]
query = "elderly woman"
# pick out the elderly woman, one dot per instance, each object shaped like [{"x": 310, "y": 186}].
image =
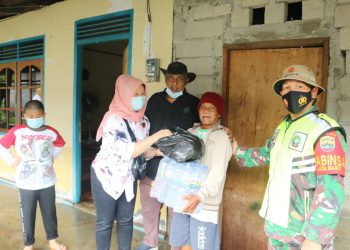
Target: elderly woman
[{"x": 199, "y": 229}]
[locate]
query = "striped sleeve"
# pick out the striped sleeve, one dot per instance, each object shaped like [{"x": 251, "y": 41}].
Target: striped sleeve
[
  {"x": 59, "y": 141},
  {"x": 9, "y": 138}
]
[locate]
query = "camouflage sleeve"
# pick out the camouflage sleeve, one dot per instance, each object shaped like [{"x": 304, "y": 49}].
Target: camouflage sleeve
[
  {"x": 324, "y": 214},
  {"x": 325, "y": 209},
  {"x": 253, "y": 157}
]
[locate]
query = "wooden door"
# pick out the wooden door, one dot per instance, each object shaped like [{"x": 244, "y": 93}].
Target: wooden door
[{"x": 253, "y": 112}]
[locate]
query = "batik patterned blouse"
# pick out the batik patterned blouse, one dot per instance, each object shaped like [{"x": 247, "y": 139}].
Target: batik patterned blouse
[{"x": 112, "y": 163}]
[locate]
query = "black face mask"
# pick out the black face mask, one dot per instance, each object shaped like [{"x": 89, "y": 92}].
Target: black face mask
[{"x": 297, "y": 100}]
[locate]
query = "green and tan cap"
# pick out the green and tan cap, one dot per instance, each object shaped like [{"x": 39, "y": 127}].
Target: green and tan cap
[{"x": 297, "y": 72}]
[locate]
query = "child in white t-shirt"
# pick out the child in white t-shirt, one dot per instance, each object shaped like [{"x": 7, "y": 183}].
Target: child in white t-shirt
[{"x": 36, "y": 146}]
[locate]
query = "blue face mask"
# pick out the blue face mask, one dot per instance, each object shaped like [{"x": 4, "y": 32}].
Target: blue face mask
[
  {"x": 137, "y": 102},
  {"x": 172, "y": 94},
  {"x": 35, "y": 122}
]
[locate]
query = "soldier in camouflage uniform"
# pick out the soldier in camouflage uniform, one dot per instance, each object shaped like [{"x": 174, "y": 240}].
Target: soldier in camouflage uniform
[{"x": 306, "y": 158}]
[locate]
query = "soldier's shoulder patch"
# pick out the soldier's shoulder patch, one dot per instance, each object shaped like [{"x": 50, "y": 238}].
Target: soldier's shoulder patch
[
  {"x": 329, "y": 155},
  {"x": 327, "y": 143}
]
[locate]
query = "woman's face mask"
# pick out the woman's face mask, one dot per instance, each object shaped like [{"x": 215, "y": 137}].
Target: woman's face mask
[{"x": 137, "y": 102}]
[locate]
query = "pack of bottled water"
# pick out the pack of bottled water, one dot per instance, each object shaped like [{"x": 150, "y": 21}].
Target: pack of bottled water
[{"x": 175, "y": 179}]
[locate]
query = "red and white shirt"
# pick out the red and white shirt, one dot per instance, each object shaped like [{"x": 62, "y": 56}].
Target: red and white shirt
[{"x": 36, "y": 150}]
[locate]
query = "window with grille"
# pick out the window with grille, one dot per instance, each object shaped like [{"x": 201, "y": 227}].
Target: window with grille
[
  {"x": 7, "y": 97},
  {"x": 20, "y": 79}
]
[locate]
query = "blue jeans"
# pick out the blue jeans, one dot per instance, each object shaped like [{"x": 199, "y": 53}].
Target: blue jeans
[{"x": 108, "y": 210}]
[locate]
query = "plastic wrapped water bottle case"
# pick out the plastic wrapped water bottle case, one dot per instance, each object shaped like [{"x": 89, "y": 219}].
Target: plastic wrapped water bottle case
[{"x": 174, "y": 180}]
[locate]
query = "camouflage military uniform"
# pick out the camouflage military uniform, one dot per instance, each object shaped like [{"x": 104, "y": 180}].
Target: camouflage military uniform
[{"x": 316, "y": 197}]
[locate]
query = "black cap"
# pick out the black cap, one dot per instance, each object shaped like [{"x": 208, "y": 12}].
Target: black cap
[{"x": 178, "y": 68}]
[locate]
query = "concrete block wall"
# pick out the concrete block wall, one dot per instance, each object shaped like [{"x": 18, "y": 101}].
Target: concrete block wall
[
  {"x": 344, "y": 38},
  {"x": 313, "y": 9},
  {"x": 275, "y": 13},
  {"x": 347, "y": 62},
  {"x": 241, "y": 18},
  {"x": 254, "y": 3},
  {"x": 342, "y": 23},
  {"x": 202, "y": 27},
  {"x": 198, "y": 31}
]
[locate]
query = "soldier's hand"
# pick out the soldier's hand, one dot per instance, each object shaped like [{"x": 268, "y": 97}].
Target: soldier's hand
[
  {"x": 228, "y": 132},
  {"x": 310, "y": 245},
  {"x": 234, "y": 146}
]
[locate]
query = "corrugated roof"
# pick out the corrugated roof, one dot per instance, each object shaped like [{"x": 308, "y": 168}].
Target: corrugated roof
[{"x": 11, "y": 8}]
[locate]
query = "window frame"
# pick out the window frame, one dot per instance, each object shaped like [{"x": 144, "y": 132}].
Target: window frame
[
  {"x": 17, "y": 63},
  {"x": 7, "y": 88}
]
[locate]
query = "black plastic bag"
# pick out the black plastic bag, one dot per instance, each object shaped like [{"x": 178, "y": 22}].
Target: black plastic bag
[
  {"x": 182, "y": 146},
  {"x": 138, "y": 167}
]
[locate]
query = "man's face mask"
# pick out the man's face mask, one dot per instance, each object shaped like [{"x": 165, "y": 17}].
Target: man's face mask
[
  {"x": 172, "y": 94},
  {"x": 297, "y": 100}
]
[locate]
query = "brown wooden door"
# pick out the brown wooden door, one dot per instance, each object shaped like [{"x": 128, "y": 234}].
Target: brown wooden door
[{"x": 254, "y": 111}]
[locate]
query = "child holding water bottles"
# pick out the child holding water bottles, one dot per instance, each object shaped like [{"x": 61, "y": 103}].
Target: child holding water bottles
[
  {"x": 36, "y": 145},
  {"x": 199, "y": 229}
]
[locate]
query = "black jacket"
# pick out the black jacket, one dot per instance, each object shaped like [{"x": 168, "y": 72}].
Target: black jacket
[{"x": 165, "y": 115}]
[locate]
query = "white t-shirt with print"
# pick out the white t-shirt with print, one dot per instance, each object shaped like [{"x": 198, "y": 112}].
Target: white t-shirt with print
[{"x": 36, "y": 149}]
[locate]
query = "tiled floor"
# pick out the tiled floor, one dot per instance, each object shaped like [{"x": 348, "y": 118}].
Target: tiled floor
[{"x": 76, "y": 226}]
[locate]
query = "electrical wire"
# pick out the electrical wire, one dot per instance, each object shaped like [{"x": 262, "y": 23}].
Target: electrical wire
[{"x": 148, "y": 10}]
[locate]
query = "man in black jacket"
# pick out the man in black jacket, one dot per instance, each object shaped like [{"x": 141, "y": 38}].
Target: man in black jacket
[{"x": 167, "y": 109}]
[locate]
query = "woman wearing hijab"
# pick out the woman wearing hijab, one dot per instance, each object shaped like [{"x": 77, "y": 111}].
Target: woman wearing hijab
[{"x": 112, "y": 183}]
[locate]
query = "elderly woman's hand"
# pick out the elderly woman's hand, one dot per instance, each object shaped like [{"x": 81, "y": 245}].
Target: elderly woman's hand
[{"x": 192, "y": 202}]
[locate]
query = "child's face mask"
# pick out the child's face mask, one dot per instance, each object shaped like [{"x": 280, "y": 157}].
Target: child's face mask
[{"x": 35, "y": 122}]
